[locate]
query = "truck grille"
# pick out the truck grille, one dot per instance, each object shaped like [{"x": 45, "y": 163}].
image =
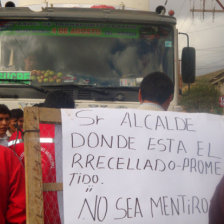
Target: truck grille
[{"x": 84, "y": 95}]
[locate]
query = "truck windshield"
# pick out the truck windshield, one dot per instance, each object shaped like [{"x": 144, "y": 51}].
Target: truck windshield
[{"x": 81, "y": 53}]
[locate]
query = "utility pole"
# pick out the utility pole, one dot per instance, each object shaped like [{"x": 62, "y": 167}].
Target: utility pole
[{"x": 204, "y": 9}]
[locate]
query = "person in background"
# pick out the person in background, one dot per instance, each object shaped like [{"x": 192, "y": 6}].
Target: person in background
[
  {"x": 56, "y": 99},
  {"x": 30, "y": 62},
  {"x": 156, "y": 92},
  {"x": 59, "y": 99},
  {"x": 16, "y": 121},
  {"x": 4, "y": 124},
  {"x": 216, "y": 209},
  {"x": 20, "y": 118},
  {"x": 12, "y": 188},
  {"x": 52, "y": 211}
]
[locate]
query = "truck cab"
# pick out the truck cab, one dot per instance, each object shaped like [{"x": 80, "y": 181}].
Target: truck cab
[{"x": 99, "y": 54}]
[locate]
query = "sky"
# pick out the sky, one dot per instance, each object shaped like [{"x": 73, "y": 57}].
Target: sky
[{"x": 206, "y": 35}]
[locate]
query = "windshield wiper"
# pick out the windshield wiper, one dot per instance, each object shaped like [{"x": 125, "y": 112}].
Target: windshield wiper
[
  {"x": 124, "y": 88},
  {"x": 96, "y": 89},
  {"x": 104, "y": 90},
  {"x": 91, "y": 88},
  {"x": 23, "y": 82}
]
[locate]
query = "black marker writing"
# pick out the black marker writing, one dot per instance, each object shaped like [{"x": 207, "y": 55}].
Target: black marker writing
[
  {"x": 99, "y": 209},
  {"x": 156, "y": 122},
  {"x": 128, "y": 208},
  {"x": 86, "y": 119},
  {"x": 178, "y": 205},
  {"x": 95, "y": 140}
]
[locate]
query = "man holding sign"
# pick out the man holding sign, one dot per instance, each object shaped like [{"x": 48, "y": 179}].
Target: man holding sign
[{"x": 156, "y": 92}]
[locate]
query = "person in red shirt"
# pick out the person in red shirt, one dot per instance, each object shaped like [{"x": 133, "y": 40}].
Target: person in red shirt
[
  {"x": 4, "y": 124},
  {"x": 12, "y": 188},
  {"x": 16, "y": 121},
  {"x": 47, "y": 134},
  {"x": 56, "y": 99}
]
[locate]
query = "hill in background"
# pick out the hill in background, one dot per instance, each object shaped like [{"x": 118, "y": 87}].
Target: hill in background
[
  {"x": 209, "y": 76},
  {"x": 204, "y": 94}
]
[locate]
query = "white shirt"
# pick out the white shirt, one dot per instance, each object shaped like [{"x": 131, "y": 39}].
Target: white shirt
[
  {"x": 4, "y": 140},
  {"x": 150, "y": 106}
]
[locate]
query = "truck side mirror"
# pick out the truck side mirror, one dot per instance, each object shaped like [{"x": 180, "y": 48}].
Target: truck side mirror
[{"x": 188, "y": 65}]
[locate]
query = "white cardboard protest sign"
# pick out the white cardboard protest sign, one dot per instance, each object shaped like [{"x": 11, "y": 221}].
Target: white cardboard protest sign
[{"x": 138, "y": 167}]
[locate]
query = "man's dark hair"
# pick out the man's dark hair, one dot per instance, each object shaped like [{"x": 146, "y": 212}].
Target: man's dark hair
[
  {"x": 59, "y": 99},
  {"x": 4, "y": 110},
  {"x": 16, "y": 113},
  {"x": 156, "y": 87}
]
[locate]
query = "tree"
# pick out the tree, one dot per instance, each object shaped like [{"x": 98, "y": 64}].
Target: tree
[{"x": 202, "y": 97}]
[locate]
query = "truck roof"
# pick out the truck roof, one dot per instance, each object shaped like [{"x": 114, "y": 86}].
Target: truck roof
[
  {"x": 118, "y": 4},
  {"x": 85, "y": 14}
]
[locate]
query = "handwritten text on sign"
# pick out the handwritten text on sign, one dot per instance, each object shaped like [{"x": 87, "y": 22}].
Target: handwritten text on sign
[{"x": 133, "y": 166}]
